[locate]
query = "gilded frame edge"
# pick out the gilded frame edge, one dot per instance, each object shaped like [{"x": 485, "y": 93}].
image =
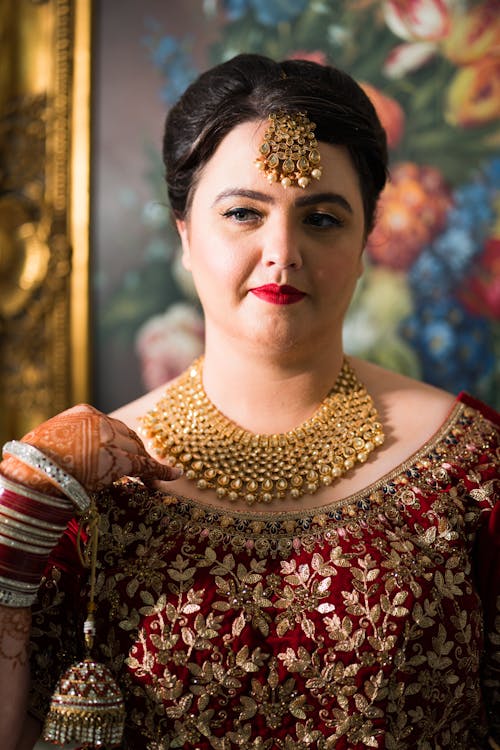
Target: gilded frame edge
[
  {"x": 45, "y": 141},
  {"x": 80, "y": 157}
]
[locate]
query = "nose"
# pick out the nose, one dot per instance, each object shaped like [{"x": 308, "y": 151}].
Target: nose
[{"x": 281, "y": 246}]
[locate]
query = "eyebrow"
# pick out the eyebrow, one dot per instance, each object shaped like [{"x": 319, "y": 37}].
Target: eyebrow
[
  {"x": 303, "y": 200},
  {"x": 312, "y": 198}
]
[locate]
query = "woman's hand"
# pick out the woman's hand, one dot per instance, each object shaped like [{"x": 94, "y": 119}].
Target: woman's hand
[
  {"x": 96, "y": 450},
  {"x": 92, "y": 447}
]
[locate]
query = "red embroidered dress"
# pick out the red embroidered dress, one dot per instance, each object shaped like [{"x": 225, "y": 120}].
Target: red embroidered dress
[{"x": 372, "y": 622}]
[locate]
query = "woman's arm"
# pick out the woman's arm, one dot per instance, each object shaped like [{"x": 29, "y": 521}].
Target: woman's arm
[
  {"x": 18, "y": 731},
  {"x": 94, "y": 449},
  {"x": 15, "y": 626}
]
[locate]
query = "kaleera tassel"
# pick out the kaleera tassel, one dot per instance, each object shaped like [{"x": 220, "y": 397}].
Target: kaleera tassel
[{"x": 87, "y": 705}]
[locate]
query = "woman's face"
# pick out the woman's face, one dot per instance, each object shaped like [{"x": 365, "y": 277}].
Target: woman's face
[{"x": 275, "y": 268}]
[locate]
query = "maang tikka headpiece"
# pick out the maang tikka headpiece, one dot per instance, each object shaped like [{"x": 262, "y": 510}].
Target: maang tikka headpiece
[{"x": 289, "y": 153}]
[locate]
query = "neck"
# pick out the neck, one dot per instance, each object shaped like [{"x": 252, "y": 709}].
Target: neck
[
  {"x": 184, "y": 427},
  {"x": 265, "y": 392}
]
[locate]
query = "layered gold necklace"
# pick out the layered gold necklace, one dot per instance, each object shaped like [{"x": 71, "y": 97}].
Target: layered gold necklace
[{"x": 186, "y": 429}]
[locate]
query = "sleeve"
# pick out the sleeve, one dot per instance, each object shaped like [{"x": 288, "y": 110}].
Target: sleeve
[
  {"x": 488, "y": 575},
  {"x": 487, "y": 568},
  {"x": 57, "y": 621},
  {"x": 487, "y": 411}
]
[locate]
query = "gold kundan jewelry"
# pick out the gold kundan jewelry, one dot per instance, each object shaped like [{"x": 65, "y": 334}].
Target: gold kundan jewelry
[
  {"x": 187, "y": 430},
  {"x": 289, "y": 153},
  {"x": 87, "y": 704}
]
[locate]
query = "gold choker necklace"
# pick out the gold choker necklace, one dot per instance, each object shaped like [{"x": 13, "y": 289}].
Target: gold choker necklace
[{"x": 187, "y": 430}]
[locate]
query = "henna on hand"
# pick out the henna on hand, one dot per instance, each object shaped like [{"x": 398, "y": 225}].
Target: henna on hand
[
  {"x": 92, "y": 447},
  {"x": 21, "y": 473}
]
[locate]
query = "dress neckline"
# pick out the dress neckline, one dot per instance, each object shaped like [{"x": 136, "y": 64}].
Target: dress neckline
[{"x": 370, "y": 490}]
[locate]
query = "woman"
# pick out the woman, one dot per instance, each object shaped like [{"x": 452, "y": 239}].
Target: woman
[{"x": 324, "y": 573}]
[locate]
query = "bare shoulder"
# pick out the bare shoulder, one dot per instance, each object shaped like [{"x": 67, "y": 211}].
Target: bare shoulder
[
  {"x": 411, "y": 410},
  {"x": 392, "y": 386},
  {"x": 131, "y": 413}
]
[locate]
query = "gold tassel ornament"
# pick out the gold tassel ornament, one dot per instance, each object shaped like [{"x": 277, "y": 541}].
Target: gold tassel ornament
[{"x": 87, "y": 705}]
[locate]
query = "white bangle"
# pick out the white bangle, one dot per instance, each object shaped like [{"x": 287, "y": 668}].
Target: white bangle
[
  {"x": 16, "y": 599},
  {"x": 20, "y": 489},
  {"x": 17, "y": 594},
  {"x": 33, "y": 457}
]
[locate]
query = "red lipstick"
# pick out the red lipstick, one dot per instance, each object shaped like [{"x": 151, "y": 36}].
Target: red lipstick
[{"x": 278, "y": 295}]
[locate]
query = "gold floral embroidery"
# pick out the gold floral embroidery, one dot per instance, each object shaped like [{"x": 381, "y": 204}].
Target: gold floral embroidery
[
  {"x": 306, "y": 589},
  {"x": 357, "y": 623},
  {"x": 492, "y": 673}
]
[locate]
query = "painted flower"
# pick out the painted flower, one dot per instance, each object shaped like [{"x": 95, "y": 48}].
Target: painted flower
[
  {"x": 405, "y": 58},
  {"x": 173, "y": 59},
  {"x": 492, "y": 173},
  {"x": 429, "y": 278},
  {"x": 473, "y": 97},
  {"x": 458, "y": 248},
  {"x": 166, "y": 344},
  {"x": 390, "y": 113},
  {"x": 267, "y": 12},
  {"x": 456, "y": 293},
  {"x": 370, "y": 330},
  {"x": 481, "y": 293},
  {"x": 446, "y": 263},
  {"x": 412, "y": 211},
  {"x": 418, "y": 20},
  {"x": 455, "y": 347},
  {"x": 474, "y": 34},
  {"x": 317, "y": 56},
  {"x": 236, "y": 9},
  {"x": 473, "y": 209},
  {"x": 421, "y": 24}
]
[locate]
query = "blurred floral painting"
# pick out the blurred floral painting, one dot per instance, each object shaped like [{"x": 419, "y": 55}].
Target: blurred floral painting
[{"x": 428, "y": 304}]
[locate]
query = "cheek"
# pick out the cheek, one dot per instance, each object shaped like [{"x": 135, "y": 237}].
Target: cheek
[
  {"x": 333, "y": 268},
  {"x": 218, "y": 264},
  {"x": 338, "y": 273}
]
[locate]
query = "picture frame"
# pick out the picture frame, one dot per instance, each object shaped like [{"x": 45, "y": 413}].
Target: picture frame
[{"x": 44, "y": 210}]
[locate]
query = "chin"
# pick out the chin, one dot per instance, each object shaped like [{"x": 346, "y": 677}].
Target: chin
[{"x": 278, "y": 342}]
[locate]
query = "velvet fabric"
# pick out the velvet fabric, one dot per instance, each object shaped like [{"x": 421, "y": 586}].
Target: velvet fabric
[{"x": 371, "y": 622}]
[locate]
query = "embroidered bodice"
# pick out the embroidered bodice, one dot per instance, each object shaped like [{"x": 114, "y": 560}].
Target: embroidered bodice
[{"x": 372, "y": 622}]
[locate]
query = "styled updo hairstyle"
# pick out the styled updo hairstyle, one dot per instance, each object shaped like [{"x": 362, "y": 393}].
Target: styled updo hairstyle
[{"x": 251, "y": 87}]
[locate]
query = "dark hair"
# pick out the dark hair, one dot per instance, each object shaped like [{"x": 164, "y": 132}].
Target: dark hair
[{"x": 250, "y": 87}]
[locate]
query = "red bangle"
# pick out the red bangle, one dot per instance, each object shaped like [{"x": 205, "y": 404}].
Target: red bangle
[
  {"x": 30, "y": 527},
  {"x": 14, "y": 573},
  {"x": 40, "y": 509},
  {"x": 16, "y": 491},
  {"x": 25, "y": 567},
  {"x": 25, "y": 491}
]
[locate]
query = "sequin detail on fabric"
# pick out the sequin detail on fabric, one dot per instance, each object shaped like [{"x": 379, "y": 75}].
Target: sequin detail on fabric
[{"x": 357, "y": 625}]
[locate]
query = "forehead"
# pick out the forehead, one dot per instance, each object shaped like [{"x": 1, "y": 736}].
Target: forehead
[{"x": 233, "y": 165}]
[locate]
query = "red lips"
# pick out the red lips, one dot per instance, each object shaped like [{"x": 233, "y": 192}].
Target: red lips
[{"x": 278, "y": 295}]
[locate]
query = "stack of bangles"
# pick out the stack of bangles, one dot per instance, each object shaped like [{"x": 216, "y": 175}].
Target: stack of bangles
[{"x": 31, "y": 524}]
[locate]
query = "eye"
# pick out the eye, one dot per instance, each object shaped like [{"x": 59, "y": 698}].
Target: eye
[
  {"x": 241, "y": 215},
  {"x": 322, "y": 220}
]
